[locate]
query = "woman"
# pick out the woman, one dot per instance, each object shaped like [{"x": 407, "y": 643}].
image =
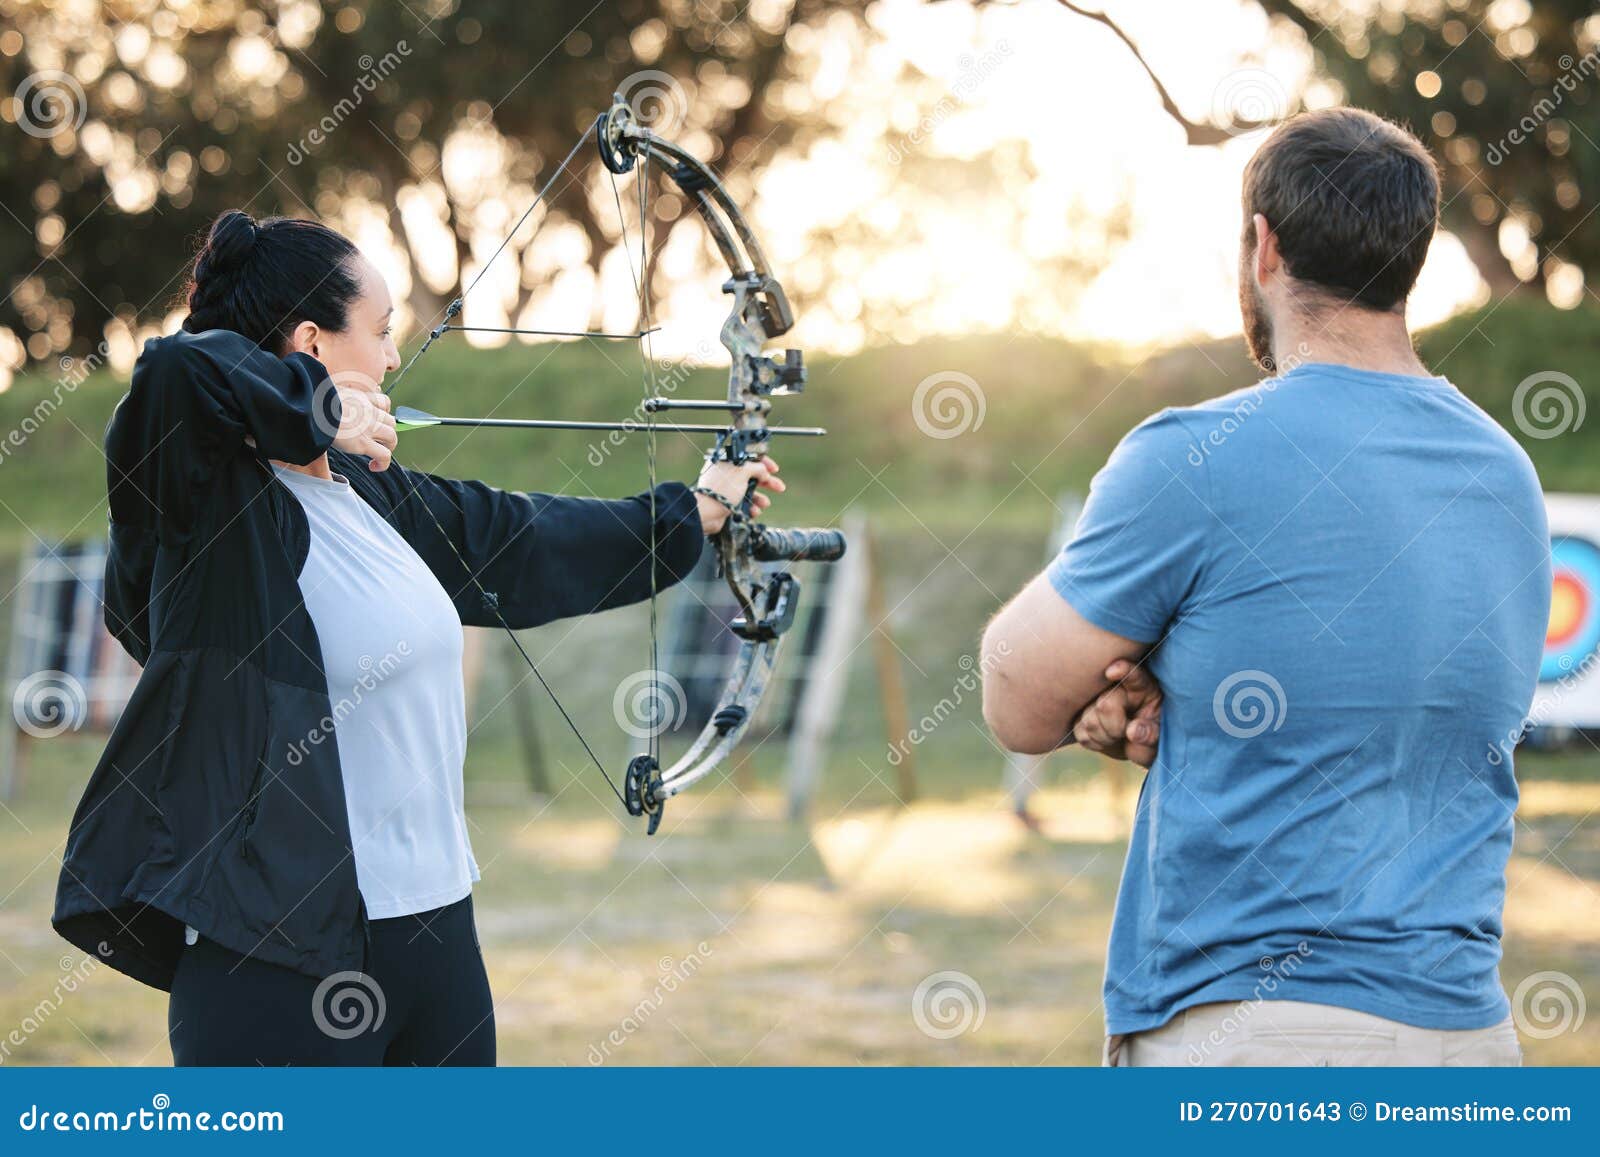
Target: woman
[{"x": 275, "y": 832}]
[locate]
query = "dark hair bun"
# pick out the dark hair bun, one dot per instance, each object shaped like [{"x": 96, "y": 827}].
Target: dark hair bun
[
  {"x": 233, "y": 238},
  {"x": 262, "y": 278}
]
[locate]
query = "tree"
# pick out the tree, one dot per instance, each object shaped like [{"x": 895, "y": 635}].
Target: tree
[
  {"x": 133, "y": 123},
  {"x": 1501, "y": 92}
]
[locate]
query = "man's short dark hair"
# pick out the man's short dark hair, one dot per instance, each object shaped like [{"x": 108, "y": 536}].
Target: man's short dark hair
[{"x": 1353, "y": 199}]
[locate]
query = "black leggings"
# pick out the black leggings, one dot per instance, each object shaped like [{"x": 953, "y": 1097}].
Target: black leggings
[{"x": 423, "y": 999}]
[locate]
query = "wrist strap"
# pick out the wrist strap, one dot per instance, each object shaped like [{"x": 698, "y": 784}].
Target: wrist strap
[{"x": 710, "y": 493}]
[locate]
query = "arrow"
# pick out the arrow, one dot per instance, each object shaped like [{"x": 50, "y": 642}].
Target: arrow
[{"x": 408, "y": 418}]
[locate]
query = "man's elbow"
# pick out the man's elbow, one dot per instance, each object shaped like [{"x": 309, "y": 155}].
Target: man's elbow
[
  {"x": 1004, "y": 710},
  {"x": 1016, "y": 735}
]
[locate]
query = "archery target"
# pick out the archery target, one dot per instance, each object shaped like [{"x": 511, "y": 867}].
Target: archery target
[
  {"x": 1574, "y": 631},
  {"x": 1568, "y": 694}
]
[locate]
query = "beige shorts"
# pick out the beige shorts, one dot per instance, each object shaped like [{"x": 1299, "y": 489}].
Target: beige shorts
[{"x": 1293, "y": 1033}]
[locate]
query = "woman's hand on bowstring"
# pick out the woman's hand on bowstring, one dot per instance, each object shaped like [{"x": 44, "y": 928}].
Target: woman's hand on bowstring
[{"x": 366, "y": 427}]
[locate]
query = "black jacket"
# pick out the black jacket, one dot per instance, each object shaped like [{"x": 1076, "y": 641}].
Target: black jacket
[{"x": 209, "y": 807}]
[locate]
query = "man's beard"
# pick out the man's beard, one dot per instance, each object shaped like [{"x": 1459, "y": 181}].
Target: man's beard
[{"x": 1257, "y": 325}]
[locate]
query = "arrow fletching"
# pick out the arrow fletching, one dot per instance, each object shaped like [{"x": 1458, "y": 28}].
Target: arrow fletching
[{"x": 411, "y": 418}]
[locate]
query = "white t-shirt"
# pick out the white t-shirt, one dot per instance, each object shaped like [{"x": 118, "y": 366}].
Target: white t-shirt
[{"x": 391, "y": 647}]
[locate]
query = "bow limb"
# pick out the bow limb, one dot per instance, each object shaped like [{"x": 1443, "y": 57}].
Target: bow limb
[
  {"x": 647, "y": 787},
  {"x": 699, "y": 182},
  {"x": 623, "y": 141},
  {"x": 769, "y": 600},
  {"x": 726, "y": 222}
]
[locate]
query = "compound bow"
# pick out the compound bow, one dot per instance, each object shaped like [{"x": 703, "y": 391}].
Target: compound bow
[{"x": 767, "y": 598}]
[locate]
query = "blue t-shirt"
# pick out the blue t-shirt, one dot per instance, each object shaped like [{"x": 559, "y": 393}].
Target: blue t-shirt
[{"x": 1346, "y": 576}]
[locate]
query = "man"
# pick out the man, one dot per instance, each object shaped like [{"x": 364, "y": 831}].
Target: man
[{"x": 1339, "y": 581}]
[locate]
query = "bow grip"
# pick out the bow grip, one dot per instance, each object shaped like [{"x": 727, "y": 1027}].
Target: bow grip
[{"x": 811, "y": 544}]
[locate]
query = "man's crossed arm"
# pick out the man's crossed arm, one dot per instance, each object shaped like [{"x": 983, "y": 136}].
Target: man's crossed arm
[{"x": 1052, "y": 677}]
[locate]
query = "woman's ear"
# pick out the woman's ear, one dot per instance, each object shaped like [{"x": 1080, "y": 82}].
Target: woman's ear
[{"x": 303, "y": 339}]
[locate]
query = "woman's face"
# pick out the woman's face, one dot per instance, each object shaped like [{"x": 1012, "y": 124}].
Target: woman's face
[{"x": 365, "y": 351}]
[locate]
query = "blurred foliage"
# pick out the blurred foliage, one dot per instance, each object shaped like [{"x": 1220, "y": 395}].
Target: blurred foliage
[
  {"x": 1503, "y": 92},
  {"x": 129, "y": 124},
  {"x": 132, "y": 123}
]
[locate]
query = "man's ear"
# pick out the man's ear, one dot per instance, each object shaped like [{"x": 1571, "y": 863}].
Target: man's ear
[
  {"x": 1268, "y": 259},
  {"x": 303, "y": 339}
]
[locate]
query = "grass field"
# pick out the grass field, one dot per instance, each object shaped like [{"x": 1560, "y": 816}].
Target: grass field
[
  {"x": 816, "y": 936},
  {"x": 735, "y": 937}
]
